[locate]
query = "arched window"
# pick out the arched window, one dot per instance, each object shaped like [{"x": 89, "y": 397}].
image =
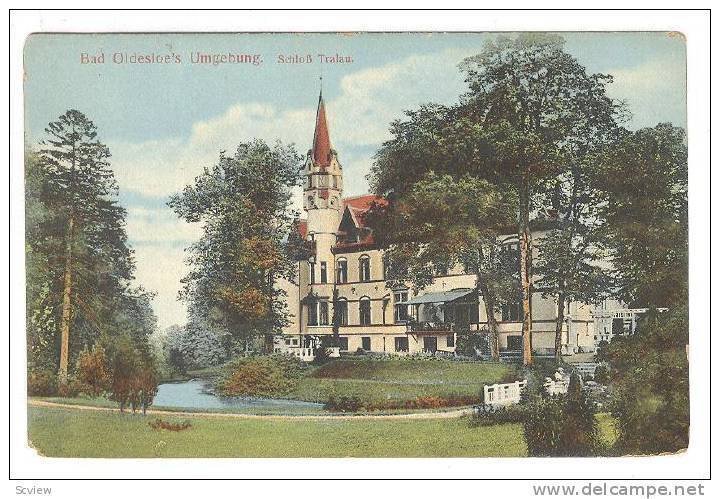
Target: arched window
[
  {"x": 341, "y": 273},
  {"x": 365, "y": 316},
  {"x": 364, "y": 268},
  {"x": 341, "y": 312}
]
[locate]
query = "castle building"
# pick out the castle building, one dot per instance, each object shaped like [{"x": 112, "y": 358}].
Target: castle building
[{"x": 344, "y": 279}]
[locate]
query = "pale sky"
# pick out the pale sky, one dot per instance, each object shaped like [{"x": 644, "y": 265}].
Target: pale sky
[{"x": 165, "y": 122}]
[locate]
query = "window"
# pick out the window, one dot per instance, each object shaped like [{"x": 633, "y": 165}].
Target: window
[
  {"x": 295, "y": 342},
  {"x": 323, "y": 272},
  {"x": 312, "y": 314},
  {"x": 365, "y": 343},
  {"x": 364, "y": 268},
  {"x": 430, "y": 344},
  {"x": 311, "y": 267},
  {"x": 341, "y": 271},
  {"x": 365, "y": 318},
  {"x": 401, "y": 344},
  {"x": 451, "y": 341},
  {"x": 287, "y": 341},
  {"x": 512, "y": 312},
  {"x": 324, "y": 313},
  {"x": 341, "y": 309},
  {"x": 343, "y": 343},
  {"x": 401, "y": 310}
]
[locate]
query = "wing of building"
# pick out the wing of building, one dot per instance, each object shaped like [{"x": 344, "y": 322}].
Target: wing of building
[{"x": 344, "y": 280}]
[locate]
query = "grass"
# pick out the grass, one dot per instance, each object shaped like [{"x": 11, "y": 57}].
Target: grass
[
  {"x": 106, "y": 434},
  {"x": 398, "y": 380}
]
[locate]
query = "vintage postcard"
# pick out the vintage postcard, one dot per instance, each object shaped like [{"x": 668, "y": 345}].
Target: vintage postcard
[{"x": 296, "y": 245}]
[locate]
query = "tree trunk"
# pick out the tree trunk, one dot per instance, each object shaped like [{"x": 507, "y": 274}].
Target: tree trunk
[
  {"x": 67, "y": 305},
  {"x": 525, "y": 272},
  {"x": 559, "y": 325},
  {"x": 489, "y": 300}
]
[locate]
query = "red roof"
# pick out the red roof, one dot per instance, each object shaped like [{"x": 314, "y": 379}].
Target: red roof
[
  {"x": 359, "y": 205},
  {"x": 321, "y": 149}
]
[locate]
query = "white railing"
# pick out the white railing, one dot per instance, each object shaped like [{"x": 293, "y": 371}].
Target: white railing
[{"x": 503, "y": 393}]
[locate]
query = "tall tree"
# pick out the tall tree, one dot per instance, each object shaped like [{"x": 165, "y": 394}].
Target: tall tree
[
  {"x": 533, "y": 104},
  {"x": 80, "y": 189},
  {"x": 243, "y": 203},
  {"x": 641, "y": 180},
  {"x": 443, "y": 222}
]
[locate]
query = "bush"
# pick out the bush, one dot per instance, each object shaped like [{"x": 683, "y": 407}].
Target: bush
[
  {"x": 602, "y": 374},
  {"x": 93, "y": 376},
  {"x": 124, "y": 364},
  {"x": 563, "y": 425},
  {"x": 489, "y": 415},
  {"x": 42, "y": 383},
  {"x": 321, "y": 356},
  {"x": 261, "y": 376},
  {"x": 161, "y": 424},
  {"x": 649, "y": 379},
  {"x": 144, "y": 387}
]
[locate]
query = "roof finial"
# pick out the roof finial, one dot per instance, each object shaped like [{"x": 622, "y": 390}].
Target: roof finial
[{"x": 321, "y": 82}]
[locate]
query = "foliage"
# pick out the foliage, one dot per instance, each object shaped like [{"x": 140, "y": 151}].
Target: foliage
[
  {"x": 243, "y": 203},
  {"x": 489, "y": 416},
  {"x": 562, "y": 425},
  {"x": 579, "y": 434},
  {"x": 602, "y": 374},
  {"x": 144, "y": 387},
  {"x": 469, "y": 343},
  {"x": 542, "y": 427},
  {"x": 92, "y": 371},
  {"x": 41, "y": 383},
  {"x": 79, "y": 266},
  {"x": 642, "y": 181},
  {"x": 125, "y": 362},
  {"x": 196, "y": 345},
  {"x": 261, "y": 376},
  {"x": 650, "y": 384},
  {"x": 161, "y": 424}
]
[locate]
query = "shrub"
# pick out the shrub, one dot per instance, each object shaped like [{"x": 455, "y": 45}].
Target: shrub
[
  {"x": 649, "y": 379},
  {"x": 161, "y": 424},
  {"x": 489, "y": 415},
  {"x": 562, "y": 425},
  {"x": 261, "y": 376},
  {"x": 344, "y": 403},
  {"x": 42, "y": 383},
  {"x": 144, "y": 386},
  {"x": 602, "y": 374},
  {"x": 92, "y": 376},
  {"x": 579, "y": 435},
  {"x": 321, "y": 356},
  {"x": 124, "y": 365}
]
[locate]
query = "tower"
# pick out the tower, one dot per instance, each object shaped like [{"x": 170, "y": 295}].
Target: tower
[{"x": 323, "y": 179}]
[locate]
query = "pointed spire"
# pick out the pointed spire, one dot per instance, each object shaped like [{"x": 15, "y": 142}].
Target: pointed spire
[{"x": 321, "y": 149}]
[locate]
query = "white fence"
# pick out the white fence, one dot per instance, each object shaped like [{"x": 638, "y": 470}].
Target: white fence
[
  {"x": 510, "y": 393},
  {"x": 503, "y": 393}
]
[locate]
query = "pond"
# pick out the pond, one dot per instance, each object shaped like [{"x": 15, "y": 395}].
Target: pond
[{"x": 198, "y": 394}]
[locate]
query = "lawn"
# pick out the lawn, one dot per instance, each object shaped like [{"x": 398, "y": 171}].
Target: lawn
[
  {"x": 398, "y": 379},
  {"x": 110, "y": 434}
]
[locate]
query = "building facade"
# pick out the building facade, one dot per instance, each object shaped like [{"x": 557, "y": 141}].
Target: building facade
[{"x": 344, "y": 281}]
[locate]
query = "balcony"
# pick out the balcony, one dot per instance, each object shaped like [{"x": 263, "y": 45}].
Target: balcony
[{"x": 430, "y": 327}]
